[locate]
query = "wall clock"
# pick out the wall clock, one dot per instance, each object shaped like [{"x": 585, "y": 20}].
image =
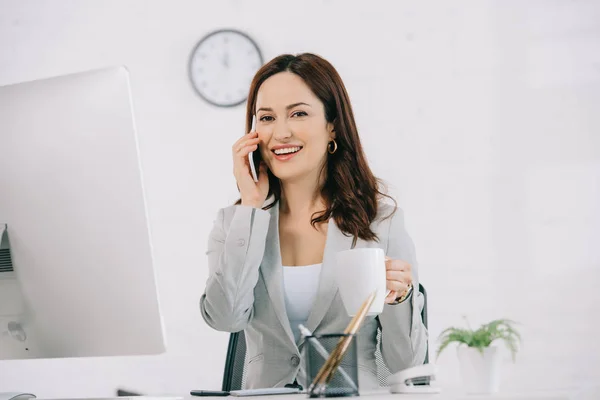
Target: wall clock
[{"x": 222, "y": 65}]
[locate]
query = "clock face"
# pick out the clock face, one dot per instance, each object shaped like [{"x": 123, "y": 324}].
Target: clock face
[{"x": 222, "y": 66}]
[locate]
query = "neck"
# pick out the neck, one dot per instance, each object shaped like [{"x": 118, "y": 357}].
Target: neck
[{"x": 301, "y": 196}]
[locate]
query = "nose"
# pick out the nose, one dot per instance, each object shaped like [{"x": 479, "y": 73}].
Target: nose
[{"x": 281, "y": 131}]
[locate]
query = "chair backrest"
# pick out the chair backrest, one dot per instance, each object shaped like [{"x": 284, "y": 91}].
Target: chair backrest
[
  {"x": 235, "y": 363},
  {"x": 234, "y": 375}
]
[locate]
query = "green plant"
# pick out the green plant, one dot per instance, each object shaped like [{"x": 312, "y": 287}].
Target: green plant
[{"x": 500, "y": 329}]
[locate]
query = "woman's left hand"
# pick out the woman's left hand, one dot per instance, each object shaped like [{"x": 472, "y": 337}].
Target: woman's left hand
[{"x": 398, "y": 276}]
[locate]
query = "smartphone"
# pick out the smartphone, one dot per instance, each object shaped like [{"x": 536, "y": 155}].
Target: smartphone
[
  {"x": 254, "y": 159},
  {"x": 209, "y": 393},
  {"x": 265, "y": 391}
]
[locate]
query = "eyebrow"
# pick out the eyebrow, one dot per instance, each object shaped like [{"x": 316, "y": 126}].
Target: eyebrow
[{"x": 287, "y": 108}]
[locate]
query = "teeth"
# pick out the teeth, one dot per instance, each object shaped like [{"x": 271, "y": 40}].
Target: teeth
[{"x": 287, "y": 150}]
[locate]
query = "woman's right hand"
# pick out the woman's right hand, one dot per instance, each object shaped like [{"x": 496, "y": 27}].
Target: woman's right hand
[{"x": 252, "y": 193}]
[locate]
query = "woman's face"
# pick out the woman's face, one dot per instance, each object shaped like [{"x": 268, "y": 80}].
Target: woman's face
[{"x": 292, "y": 128}]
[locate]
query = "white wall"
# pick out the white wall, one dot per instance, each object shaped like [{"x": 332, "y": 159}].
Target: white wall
[{"x": 482, "y": 115}]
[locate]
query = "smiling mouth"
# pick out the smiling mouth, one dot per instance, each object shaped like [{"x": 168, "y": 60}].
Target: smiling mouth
[{"x": 287, "y": 150}]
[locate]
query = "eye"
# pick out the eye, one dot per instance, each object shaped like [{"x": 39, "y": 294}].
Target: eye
[
  {"x": 266, "y": 118},
  {"x": 299, "y": 114}
]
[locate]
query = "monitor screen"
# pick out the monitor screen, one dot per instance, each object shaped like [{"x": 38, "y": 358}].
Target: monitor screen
[{"x": 77, "y": 277}]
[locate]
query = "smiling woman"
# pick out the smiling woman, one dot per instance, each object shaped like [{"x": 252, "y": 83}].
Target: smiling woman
[{"x": 271, "y": 255}]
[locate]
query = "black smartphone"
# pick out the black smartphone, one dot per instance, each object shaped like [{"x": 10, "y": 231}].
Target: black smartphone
[{"x": 209, "y": 393}]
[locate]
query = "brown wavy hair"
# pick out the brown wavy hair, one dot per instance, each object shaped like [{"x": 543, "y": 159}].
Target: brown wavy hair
[{"x": 350, "y": 190}]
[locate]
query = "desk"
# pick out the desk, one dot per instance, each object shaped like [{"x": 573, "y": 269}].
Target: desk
[
  {"x": 444, "y": 395},
  {"x": 377, "y": 395}
]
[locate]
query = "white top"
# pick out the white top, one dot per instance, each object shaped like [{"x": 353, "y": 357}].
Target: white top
[{"x": 300, "y": 290}]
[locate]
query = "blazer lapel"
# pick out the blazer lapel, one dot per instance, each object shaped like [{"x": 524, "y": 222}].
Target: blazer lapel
[
  {"x": 272, "y": 272},
  {"x": 336, "y": 241}
]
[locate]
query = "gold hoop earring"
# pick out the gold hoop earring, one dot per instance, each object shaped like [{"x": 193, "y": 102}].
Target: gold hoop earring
[{"x": 334, "y": 146}]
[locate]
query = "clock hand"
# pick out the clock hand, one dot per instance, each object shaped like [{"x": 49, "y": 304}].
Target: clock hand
[{"x": 226, "y": 60}]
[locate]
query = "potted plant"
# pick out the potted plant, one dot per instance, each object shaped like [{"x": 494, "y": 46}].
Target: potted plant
[{"x": 478, "y": 354}]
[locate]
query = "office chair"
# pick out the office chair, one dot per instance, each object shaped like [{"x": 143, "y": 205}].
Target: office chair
[{"x": 235, "y": 363}]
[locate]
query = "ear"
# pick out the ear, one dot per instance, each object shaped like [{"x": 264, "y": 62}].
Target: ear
[{"x": 331, "y": 130}]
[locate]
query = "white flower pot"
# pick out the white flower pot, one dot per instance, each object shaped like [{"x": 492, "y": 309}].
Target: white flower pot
[{"x": 480, "y": 373}]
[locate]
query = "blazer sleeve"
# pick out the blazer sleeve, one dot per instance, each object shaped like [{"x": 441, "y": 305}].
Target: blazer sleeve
[
  {"x": 235, "y": 250},
  {"x": 403, "y": 334}
]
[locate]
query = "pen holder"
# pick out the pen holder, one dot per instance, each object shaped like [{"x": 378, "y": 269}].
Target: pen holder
[{"x": 344, "y": 380}]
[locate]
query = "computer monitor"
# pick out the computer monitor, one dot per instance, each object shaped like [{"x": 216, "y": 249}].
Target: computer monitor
[{"x": 80, "y": 279}]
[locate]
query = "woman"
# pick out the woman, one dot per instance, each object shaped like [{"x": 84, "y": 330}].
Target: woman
[{"x": 270, "y": 255}]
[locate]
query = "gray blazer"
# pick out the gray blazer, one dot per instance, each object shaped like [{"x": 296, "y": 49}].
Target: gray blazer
[{"x": 244, "y": 291}]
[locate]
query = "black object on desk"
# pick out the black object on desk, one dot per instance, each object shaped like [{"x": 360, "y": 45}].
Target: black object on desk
[
  {"x": 126, "y": 393},
  {"x": 248, "y": 392},
  {"x": 294, "y": 385},
  {"x": 209, "y": 393}
]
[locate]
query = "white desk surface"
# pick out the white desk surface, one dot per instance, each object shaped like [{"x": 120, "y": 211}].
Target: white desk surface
[
  {"x": 376, "y": 395},
  {"x": 386, "y": 395}
]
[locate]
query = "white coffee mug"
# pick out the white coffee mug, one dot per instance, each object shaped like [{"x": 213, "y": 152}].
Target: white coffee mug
[{"x": 360, "y": 272}]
